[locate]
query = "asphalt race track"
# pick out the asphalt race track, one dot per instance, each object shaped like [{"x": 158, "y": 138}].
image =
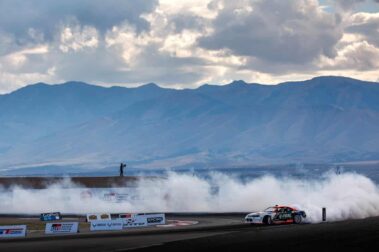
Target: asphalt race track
[{"x": 217, "y": 232}]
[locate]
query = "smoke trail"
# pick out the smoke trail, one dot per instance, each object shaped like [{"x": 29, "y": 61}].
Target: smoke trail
[{"x": 345, "y": 196}]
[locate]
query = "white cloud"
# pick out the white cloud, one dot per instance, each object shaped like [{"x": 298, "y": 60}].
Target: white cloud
[
  {"x": 196, "y": 7},
  {"x": 275, "y": 31},
  {"x": 366, "y": 25},
  {"x": 347, "y": 5},
  {"x": 183, "y": 43},
  {"x": 78, "y": 38},
  {"x": 360, "y": 56},
  {"x": 11, "y": 81},
  {"x": 16, "y": 60}
]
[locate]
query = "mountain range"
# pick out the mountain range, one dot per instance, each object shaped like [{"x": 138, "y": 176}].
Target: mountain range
[{"x": 322, "y": 120}]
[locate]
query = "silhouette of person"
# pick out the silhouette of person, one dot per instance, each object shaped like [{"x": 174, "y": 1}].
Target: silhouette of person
[
  {"x": 339, "y": 170},
  {"x": 122, "y": 166}
]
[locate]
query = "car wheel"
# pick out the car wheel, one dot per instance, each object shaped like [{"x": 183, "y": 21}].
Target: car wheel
[
  {"x": 297, "y": 219},
  {"x": 267, "y": 220}
]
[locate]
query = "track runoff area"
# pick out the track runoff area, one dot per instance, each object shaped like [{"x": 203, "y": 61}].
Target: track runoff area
[
  {"x": 55, "y": 224},
  {"x": 179, "y": 232},
  {"x": 50, "y": 224}
]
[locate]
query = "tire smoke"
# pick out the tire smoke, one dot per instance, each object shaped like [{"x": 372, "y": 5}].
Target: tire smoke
[{"x": 345, "y": 196}]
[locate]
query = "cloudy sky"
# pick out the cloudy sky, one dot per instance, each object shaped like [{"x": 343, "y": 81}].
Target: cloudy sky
[{"x": 186, "y": 43}]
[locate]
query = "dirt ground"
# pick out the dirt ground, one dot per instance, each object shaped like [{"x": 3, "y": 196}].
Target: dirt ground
[{"x": 89, "y": 182}]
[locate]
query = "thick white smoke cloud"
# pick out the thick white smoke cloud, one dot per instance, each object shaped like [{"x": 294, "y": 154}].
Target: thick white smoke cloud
[{"x": 345, "y": 196}]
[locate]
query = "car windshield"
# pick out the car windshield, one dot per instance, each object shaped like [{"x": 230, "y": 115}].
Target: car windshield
[{"x": 271, "y": 209}]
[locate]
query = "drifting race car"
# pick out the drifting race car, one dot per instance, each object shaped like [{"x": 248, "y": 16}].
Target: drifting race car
[{"x": 276, "y": 215}]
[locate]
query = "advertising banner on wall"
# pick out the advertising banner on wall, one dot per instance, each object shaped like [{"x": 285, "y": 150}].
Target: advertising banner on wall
[
  {"x": 62, "y": 228},
  {"x": 155, "y": 219},
  {"x": 50, "y": 216},
  {"x": 101, "y": 216},
  {"x": 12, "y": 231},
  {"x": 135, "y": 221},
  {"x": 126, "y": 215},
  {"x": 106, "y": 225},
  {"x": 142, "y": 219}
]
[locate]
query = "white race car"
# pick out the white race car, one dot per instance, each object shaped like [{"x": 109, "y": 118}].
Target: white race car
[{"x": 276, "y": 215}]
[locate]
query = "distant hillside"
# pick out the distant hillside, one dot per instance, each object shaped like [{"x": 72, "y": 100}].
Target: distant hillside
[{"x": 326, "y": 119}]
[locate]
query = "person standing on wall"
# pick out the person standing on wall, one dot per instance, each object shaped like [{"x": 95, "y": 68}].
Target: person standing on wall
[{"x": 122, "y": 166}]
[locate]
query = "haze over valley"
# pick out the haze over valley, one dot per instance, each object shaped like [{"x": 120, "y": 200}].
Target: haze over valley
[{"x": 322, "y": 120}]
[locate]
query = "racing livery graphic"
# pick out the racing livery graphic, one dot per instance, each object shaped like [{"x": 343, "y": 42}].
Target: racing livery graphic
[{"x": 276, "y": 215}]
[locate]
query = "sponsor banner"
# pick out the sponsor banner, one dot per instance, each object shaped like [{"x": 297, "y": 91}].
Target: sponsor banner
[
  {"x": 12, "y": 231},
  {"x": 97, "y": 217},
  {"x": 87, "y": 194},
  {"x": 141, "y": 219},
  {"x": 110, "y": 196},
  {"x": 105, "y": 225},
  {"x": 117, "y": 197},
  {"x": 62, "y": 228},
  {"x": 122, "y": 197},
  {"x": 126, "y": 216},
  {"x": 135, "y": 221},
  {"x": 155, "y": 219},
  {"x": 50, "y": 216}
]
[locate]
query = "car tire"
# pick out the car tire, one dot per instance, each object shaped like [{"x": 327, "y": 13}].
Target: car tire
[
  {"x": 297, "y": 219},
  {"x": 267, "y": 220}
]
